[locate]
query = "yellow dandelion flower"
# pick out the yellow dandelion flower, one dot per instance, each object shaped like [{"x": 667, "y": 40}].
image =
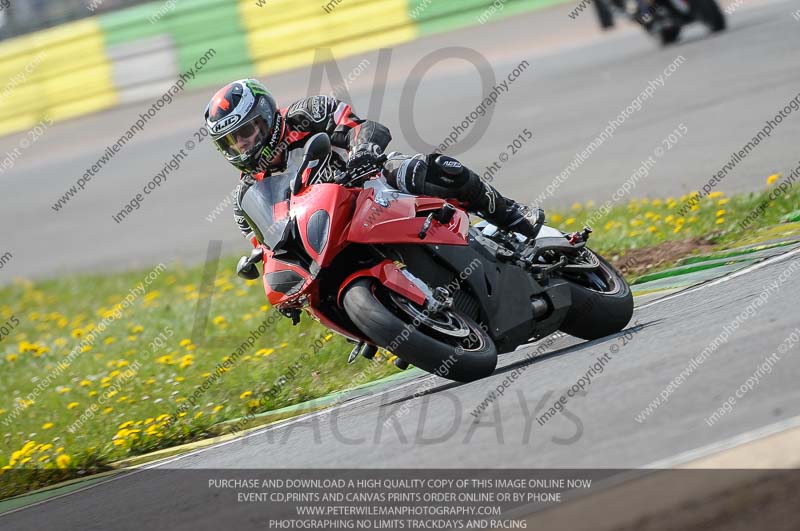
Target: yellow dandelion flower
[
  {"x": 179, "y": 378},
  {"x": 284, "y": 345},
  {"x": 720, "y": 221},
  {"x": 109, "y": 340},
  {"x": 714, "y": 195},
  {"x": 108, "y": 410},
  {"x": 85, "y": 383},
  {"x": 165, "y": 360},
  {"x": 265, "y": 352},
  {"x": 59, "y": 449},
  {"x": 63, "y": 390},
  {"x": 198, "y": 414},
  {"x": 219, "y": 320},
  {"x": 92, "y": 393},
  {"x": 722, "y": 202},
  {"x": 636, "y": 222},
  {"x": 772, "y": 178},
  {"x": 576, "y": 206},
  {"x": 77, "y": 333},
  {"x": 126, "y": 424},
  {"x": 720, "y": 212},
  {"x": 60, "y": 342},
  {"x": 153, "y": 295},
  {"x": 252, "y": 403},
  {"x": 657, "y": 202},
  {"x": 12, "y": 357},
  {"x": 651, "y": 229},
  {"x": 246, "y": 394},
  {"x": 669, "y": 219},
  {"x": 72, "y": 405},
  {"x": 47, "y": 425},
  {"x": 217, "y": 409},
  {"x": 555, "y": 218},
  {"x": 569, "y": 221}
]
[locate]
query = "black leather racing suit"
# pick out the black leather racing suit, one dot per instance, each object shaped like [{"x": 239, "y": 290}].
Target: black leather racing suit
[{"x": 433, "y": 175}]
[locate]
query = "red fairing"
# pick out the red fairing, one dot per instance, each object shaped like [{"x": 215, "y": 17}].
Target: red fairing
[
  {"x": 338, "y": 202},
  {"x": 389, "y": 275},
  {"x": 399, "y": 222},
  {"x": 275, "y": 265}
]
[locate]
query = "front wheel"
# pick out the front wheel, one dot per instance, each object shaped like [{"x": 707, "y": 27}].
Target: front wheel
[
  {"x": 602, "y": 302},
  {"x": 445, "y": 343}
]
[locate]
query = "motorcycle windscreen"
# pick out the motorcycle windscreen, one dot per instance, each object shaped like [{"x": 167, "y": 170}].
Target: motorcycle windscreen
[{"x": 266, "y": 209}]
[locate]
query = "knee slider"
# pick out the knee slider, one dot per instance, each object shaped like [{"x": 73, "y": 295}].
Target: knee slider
[{"x": 447, "y": 172}]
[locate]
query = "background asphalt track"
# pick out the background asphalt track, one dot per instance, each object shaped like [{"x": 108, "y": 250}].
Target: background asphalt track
[{"x": 579, "y": 80}]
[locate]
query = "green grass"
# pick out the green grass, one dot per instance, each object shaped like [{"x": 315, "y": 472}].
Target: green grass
[
  {"x": 647, "y": 222},
  {"x": 152, "y": 384},
  {"x": 148, "y": 384}
]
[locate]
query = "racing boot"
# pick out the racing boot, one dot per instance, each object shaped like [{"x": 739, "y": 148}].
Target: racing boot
[{"x": 506, "y": 213}]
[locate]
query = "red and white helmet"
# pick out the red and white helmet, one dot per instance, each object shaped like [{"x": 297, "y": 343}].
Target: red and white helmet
[{"x": 244, "y": 124}]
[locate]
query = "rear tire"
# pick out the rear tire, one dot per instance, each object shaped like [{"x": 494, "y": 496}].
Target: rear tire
[
  {"x": 384, "y": 328},
  {"x": 709, "y": 13},
  {"x": 595, "y": 314},
  {"x": 669, "y": 35}
]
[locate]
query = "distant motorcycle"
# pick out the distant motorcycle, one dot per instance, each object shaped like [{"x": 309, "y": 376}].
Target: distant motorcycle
[
  {"x": 663, "y": 19},
  {"x": 409, "y": 274}
]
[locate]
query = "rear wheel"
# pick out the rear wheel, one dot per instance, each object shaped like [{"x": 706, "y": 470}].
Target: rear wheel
[
  {"x": 669, "y": 34},
  {"x": 708, "y": 12},
  {"x": 446, "y": 342},
  {"x": 602, "y": 302}
]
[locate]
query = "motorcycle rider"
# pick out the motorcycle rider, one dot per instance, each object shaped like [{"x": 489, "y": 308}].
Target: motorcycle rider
[{"x": 260, "y": 140}]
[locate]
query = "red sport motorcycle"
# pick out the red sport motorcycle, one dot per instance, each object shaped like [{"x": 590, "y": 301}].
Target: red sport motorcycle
[{"x": 409, "y": 274}]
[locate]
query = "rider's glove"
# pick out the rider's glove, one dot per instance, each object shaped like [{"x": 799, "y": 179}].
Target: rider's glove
[{"x": 364, "y": 156}]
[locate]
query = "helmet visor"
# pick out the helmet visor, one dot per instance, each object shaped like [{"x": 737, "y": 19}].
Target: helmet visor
[{"x": 245, "y": 140}]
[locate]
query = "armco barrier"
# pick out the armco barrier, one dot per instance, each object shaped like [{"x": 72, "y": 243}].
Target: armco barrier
[{"x": 136, "y": 53}]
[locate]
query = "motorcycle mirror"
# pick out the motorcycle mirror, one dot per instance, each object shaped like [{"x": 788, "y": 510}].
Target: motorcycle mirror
[{"x": 318, "y": 147}]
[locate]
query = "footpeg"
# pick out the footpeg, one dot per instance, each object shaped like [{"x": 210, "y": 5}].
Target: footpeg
[{"x": 580, "y": 237}]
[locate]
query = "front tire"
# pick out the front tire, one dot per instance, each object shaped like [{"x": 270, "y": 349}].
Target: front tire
[
  {"x": 379, "y": 318},
  {"x": 602, "y": 303}
]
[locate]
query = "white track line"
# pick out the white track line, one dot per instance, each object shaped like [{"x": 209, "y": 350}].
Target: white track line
[
  {"x": 749, "y": 269},
  {"x": 678, "y": 459},
  {"x": 726, "y": 444}
]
